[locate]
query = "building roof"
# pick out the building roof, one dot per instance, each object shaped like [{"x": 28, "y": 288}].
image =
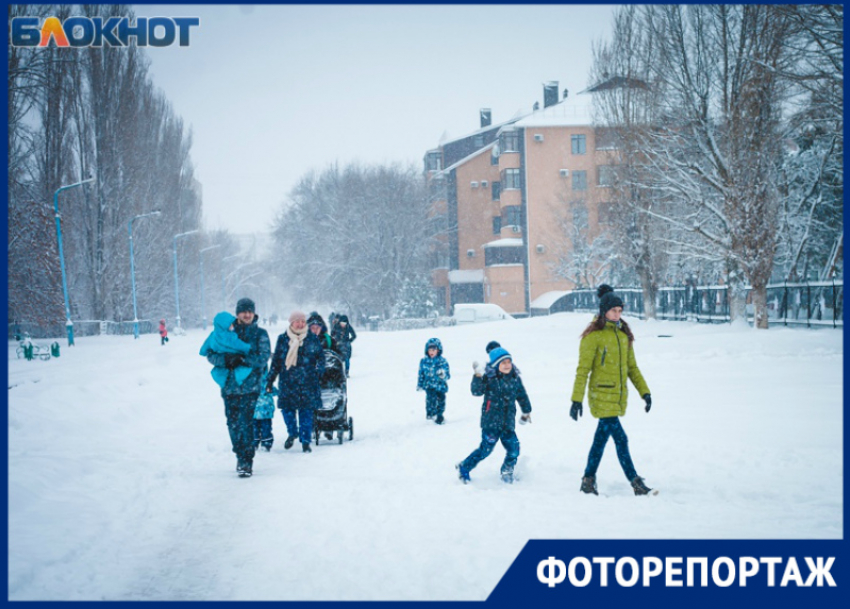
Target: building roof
[
  {"x": 544, "y": 301},
  {"x": 558, "y": 115},
  {"x": 470, "y": 276},
  {"x": 508, "y": 242}
]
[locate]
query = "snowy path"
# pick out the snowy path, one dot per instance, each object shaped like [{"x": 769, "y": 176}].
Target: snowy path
[{"x": 121, "y": 481}]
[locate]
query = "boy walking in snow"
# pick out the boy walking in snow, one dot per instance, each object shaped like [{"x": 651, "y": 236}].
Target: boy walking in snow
[
  {"x": 502, "y": 388},
  {"x": 433, "y": 374}
]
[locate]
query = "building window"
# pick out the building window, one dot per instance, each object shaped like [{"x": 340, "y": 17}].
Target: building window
[
  {"x": 497, "y": 225},
  {"x": 497, "y": 190},
  {"x": 606, "y": 175},
  {"x": 579, "y": 144},
  {"x": 509, "y": 141},
  {"x": 579, "y": 180},
  {"x": 433, "y": 161},
  {"x": 494, "y": 155},
  {"x": 510, "y": 179},
  {"x": 512, "y": 215}
]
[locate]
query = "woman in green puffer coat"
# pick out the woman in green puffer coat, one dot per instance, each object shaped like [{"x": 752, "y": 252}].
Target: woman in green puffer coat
[{"x": 607, "y": 354}]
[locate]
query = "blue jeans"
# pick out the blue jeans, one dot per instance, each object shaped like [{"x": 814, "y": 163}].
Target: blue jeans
[
  {"x": 435, "y": 402},
  {"x": 608, "y": 427},
  {"x": 295, "y": 416},
  {"x": 488, "y": 441}
]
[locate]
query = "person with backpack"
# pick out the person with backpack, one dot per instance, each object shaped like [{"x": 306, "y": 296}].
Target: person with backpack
[
  {"x": 607, "y": 356},
  {"x": 344, "y": 335},
  {"x": 317, "y": 326}
]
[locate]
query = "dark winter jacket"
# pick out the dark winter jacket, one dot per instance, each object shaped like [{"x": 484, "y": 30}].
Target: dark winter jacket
[
  {"x": 501, "y": 393},
  {"x": 299, "y": 386},
  {"x": 257, "y": 359},
  {"x": 343, "y": 336},
  {"x": 327, "y": 341}
]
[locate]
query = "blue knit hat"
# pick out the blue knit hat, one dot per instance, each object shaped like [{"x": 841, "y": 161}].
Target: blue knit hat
[{"x": 497, "y": 355}]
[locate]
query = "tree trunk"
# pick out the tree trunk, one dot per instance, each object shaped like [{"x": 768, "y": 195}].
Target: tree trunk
[{"x": 760, "y": 320}]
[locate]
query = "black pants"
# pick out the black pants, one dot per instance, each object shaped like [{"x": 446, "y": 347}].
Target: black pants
[{"x": 239, "y": 410}]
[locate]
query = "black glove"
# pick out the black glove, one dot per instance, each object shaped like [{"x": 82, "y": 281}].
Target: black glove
[
  {"x": 575, "y": 410},
  {"x": 270, "y": 388},
  {"x": 233, "y": 360},
  {"x": 648, "y": 399}
]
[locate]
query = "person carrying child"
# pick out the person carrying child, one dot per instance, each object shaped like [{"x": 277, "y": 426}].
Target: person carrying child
[
  {"x": 502, "y": 389},
  {"x": 433, "y": 374},
  {"x": 239, "y": 350}
]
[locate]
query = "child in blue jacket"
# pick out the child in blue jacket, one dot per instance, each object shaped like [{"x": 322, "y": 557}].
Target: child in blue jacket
[
  {"x": 502, "y": 389},
  {"x": 433, "y": 374}
]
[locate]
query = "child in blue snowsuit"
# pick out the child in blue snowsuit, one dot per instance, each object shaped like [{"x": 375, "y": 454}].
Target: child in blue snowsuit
[
  {"x": 502, "y": 389},
  {"x": 433, "y": 374}
]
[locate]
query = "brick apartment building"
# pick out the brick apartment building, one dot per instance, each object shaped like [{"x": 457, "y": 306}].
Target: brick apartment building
[{"x": 511, "y": 194}]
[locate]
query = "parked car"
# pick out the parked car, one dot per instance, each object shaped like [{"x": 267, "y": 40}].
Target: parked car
[{"x": 475, "y": 312}]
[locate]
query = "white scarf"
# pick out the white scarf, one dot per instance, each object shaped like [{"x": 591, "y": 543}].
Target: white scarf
[{"x": 296, "y": 339}]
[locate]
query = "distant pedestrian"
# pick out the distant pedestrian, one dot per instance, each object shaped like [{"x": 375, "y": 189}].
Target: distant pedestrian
[
  {"x": 433, "y": 374},
  {"x": 607, "y": 354},
  {"x": 239, "y": 350},
  {"x": 502, "y": 389},
  {"x": 163, "y": 333},
  {"x": 344, "y": 335},
  {"x": 299, "y": 362}
]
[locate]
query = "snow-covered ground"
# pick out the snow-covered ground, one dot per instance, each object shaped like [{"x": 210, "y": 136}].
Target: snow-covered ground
[{"x": 122, "y": 483}]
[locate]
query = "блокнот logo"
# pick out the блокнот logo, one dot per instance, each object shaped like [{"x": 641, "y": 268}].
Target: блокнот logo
[{"x": 78, "y": 32}]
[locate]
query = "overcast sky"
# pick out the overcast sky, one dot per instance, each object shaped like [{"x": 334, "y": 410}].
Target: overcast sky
[{"x": 272, "y": 92}]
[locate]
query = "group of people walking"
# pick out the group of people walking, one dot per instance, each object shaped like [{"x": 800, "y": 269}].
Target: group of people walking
[
  {"x": 239, "y": 351},
  {"x": 606, "y": 356}
]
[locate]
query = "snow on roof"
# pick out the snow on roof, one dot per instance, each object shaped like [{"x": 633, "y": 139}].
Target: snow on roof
[
  {"x": 471, "y": 276},
  {"x": 509, "y": 242},
  {"x": 558, "y": 115},
  {"x": 544, "y": 301}
]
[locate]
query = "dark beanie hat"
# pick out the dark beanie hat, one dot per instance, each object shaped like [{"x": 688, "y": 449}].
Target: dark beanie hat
[
  {"x": 244, "y": 304},
  {"x": 603, "y": 289},
  {"x": 609, "y": 301},
  {"x": 492, "y": 345}
]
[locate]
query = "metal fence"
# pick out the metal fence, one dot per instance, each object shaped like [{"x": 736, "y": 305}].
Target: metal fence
[
  {"x": 819, "y": 303},
  {"x": 81, "y": 328}
]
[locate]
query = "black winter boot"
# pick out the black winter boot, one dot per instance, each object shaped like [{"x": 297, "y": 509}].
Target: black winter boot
[
  {"x": 305, "y": 447},
  {"x": 639, "y": 486},
  {"x": 588, "y": 485},
  {"x": 289, "y": 442}
]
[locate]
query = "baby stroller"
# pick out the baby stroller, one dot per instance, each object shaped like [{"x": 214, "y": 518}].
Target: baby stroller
[{"x": 332, "y": 417}]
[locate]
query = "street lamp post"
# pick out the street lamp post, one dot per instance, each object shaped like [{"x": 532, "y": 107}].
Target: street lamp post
[
  {"x": 68, "y": 325},
  {"x": 203, "y": 307},
  {"x": 176, "y": 279},
  {"x": 223, "y": 296},
  {"x": 133, "y": 268}
]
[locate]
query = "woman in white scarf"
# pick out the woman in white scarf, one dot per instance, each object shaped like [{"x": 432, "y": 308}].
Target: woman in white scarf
[{"x": 299, "y": 362}]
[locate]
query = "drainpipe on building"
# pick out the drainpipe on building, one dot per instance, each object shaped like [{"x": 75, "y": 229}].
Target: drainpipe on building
[{"x": 525, "y": 235}]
